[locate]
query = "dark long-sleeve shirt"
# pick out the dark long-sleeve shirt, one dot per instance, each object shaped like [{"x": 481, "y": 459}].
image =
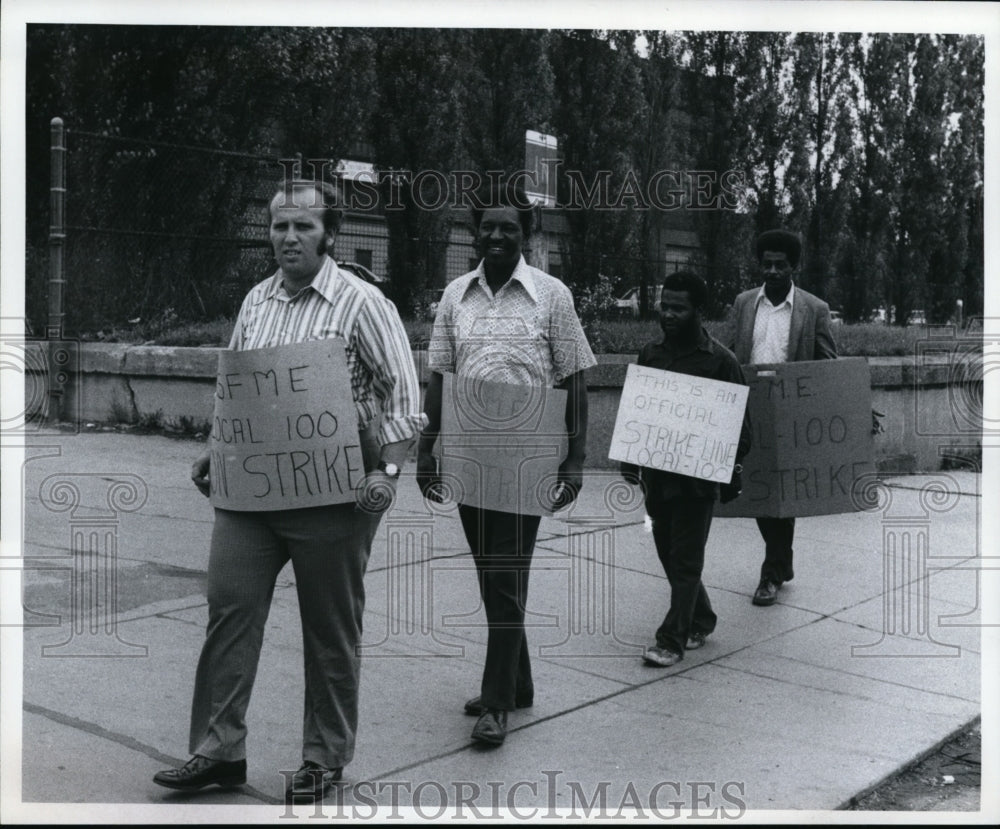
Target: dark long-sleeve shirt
[{"x": 707, "y": 358}]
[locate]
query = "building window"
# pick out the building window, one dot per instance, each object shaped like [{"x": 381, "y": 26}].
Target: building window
[{"x": 363, "y": 257}]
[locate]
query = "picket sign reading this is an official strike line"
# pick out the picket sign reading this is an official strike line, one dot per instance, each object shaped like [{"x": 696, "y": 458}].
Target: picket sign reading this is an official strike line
[{"x": 679, "y": 423}]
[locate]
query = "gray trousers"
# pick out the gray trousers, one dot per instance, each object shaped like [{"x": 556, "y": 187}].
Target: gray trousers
[{"x": 328, "y": 548}]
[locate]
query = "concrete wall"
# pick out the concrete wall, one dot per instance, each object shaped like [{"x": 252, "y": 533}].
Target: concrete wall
[{"x": 926, "y": 417}]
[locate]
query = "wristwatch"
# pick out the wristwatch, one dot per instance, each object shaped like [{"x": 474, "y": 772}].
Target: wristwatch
[{"x": 390, "y": 469}]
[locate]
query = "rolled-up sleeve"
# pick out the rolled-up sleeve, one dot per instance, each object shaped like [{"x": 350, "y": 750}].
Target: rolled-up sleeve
[
  {"x": 441, "y": 351},
  {"x": 384, "y": 348},
  {"x": 570, "y": 350}
]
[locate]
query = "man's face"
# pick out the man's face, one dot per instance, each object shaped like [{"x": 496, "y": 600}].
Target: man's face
[
  {"x": 500, "y": 237},
  {"x": 297, "y": 234},
  {"x": 777, "y": 272},
  {"x": 677, "y": 313}
]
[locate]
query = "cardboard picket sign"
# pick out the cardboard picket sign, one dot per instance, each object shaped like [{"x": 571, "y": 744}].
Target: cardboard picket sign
[
  {"x": 285, "y": 429},
  {"x": 679, "y": 423},
  {"x": 811, "y": 426},
  {"x": 501, "y": 444}
]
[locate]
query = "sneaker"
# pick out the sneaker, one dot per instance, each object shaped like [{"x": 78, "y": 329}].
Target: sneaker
[
  {"x": 661, "y": 657},
  {"x": 695, "y": 641}
]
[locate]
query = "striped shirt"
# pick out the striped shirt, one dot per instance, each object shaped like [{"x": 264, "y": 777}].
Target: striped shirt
[
  {"x": 771, "y": 329},
  {"x": 337, "y": 304},
  {"x": 527, "y": 334}
]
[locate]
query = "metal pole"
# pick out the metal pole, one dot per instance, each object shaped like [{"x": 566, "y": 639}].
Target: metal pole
[{"x": 57, "y": 237}]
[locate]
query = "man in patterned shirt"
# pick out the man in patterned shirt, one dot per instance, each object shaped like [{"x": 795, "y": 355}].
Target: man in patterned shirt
[
  {"x": 779, "y": 323},
  {"x": 511, "y": 323},
  {"x": 308, "y": 298}
]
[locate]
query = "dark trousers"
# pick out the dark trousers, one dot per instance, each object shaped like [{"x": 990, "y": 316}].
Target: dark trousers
[
  {"x": 777, "y": 534},
  {"x": 328, "y": 548},
  {"x": 680, "y": 531},
  {"x": 502, "y": 544}
]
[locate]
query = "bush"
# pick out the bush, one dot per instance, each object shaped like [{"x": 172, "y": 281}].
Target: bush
[{"x": 606, "y": 336}]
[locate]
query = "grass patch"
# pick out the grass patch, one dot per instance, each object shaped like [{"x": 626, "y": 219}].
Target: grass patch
[
  {"x": 217, "y": 332},
  {"x": 874, "y": 340}
]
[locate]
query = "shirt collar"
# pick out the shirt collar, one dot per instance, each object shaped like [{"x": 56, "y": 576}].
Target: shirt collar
[
  {"x": 326, "y": 283},
  {"x": 522, "y": 273},
  {"x": 789, "y": 298}
]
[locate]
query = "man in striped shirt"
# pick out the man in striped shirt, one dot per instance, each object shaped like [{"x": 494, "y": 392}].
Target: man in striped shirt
[{"x": 308, "y": 298}]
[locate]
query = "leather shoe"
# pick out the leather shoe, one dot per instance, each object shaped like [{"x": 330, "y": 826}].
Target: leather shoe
[
  {"x": 491, "y": 727},
  {"x": 766, "y": 593},
  {"x": 313, "y": 780},
  {"x": 474, "y": 706},
  {"x": 199, "y": 772}
]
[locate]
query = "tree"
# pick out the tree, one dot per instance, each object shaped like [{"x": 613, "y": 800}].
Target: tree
[
  {"x": 508, "y": 88},
  {"x": 150, "y": 97},
  {"x": 598, "y": 93},
  {"x": 419, "y": 132},
  {"x": 717, "y": 94},
  {"x": 868, "y": 171},
  {"x": 821, "y": 135},
  {"x": 956, "y": 268}
]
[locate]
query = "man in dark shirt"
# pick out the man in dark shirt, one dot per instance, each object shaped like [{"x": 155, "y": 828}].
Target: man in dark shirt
[{"x": 681, "y": 506}]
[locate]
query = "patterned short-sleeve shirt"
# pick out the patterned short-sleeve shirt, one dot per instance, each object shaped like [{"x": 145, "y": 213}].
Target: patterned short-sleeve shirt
[{"x": 526, "y": 334}]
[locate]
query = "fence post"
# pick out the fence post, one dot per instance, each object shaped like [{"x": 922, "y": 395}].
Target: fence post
[{"x": 57, "y": 237}]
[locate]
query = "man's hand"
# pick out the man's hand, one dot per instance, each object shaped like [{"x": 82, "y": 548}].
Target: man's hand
[
  {"x": 377, "y": 492},
  {"x": 428, "y": 478},
  {"x": 631, "y": 473},
  {"x": 568, "y": 484},
  {"x": 200, "y": 470},
  {"x": 877, "y": 427},
  {"x": 731, "y": 491}
]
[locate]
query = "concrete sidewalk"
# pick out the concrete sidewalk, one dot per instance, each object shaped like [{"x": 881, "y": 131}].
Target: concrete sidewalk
[{"x": 867, "y": 661}]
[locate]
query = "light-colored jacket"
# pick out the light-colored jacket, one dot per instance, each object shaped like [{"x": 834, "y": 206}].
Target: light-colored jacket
[{"x": 809, "y": 335}]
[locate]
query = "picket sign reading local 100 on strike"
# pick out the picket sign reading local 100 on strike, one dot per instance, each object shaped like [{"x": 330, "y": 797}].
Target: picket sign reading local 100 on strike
[{"x": 285, "y": 430}]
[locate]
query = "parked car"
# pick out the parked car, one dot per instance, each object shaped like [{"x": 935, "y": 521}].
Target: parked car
[
  {"x": 627, "y": 304},
  {"x": 364, "y": 273},
  {"x": 836, "y": 318},
  {"x": 917, "y": 317},
  {"x": 432, "y": 298}
]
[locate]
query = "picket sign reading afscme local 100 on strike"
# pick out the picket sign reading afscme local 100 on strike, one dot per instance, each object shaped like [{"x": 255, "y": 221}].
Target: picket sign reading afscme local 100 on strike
[
  {"x": 285, "y": 430},
  {"x": 679, "y": 423}
]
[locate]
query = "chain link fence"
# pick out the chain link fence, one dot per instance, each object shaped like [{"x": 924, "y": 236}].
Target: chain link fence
[
  {"x": 161, "y": 231},
  {"x": 159, "y": 234}
]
